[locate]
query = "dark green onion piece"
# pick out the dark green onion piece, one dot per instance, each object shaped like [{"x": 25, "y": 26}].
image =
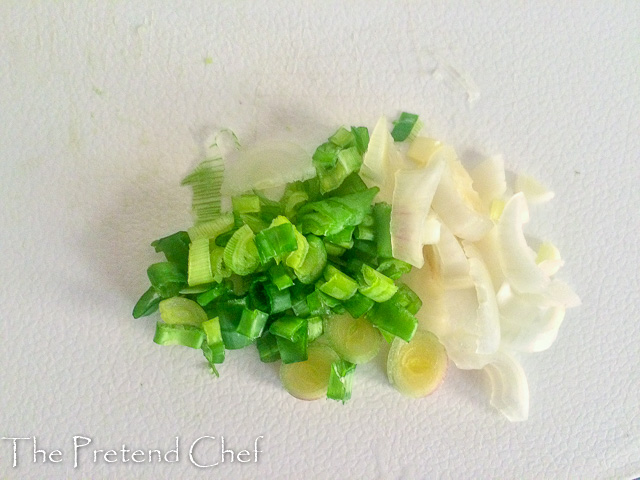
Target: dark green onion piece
[
  {"x": 147, "y": 304},
  {"x": 279, "y": 300},
  {"x": 167, "y": 278},
  {"x": 395, "y": 320},
  {"x": 315, "y": 304},
  {"x": 314, "y": 262},
  {"x": 294, "y": 196},
  {"x": 375, "y": 285},
  {"x": 257, "y": 296},
  {"x": 215, "y": 350},
  {"x": 287, "y": 327},
  {"x": 255, "y": 222},
  {"x": 352, "y": 184},
  {"x": 332, "y": 249},
  {"x": 292, "y": 351},
  {"x": 344, "y": 238},
  {"x": 245, "y": 204},
  {"x": 358, "y": 305},
  {"x": 393, "y": 268},
  {"x": 268, "y": 348},
  {"x": 280, "y": 277},
  {"x": 314, "y": 327},
  {"x": 230, "y": 315},
  {"x": 349, "y": 161},
  {"x": 361, "y": 137},
  {"x": 252, "y": 323},
  {"x": 329, "y": 301},
  {"x": 222, "y": 239},
  {"x": 403, "y": 126},
  {"x": 326, "y": 155},
  {"x": 299, "y": 304},
  {"x": 382, "y": 226},
  {"x": 333, "y": 214},
  {"x": 219, "y": 289},
  {"x": 275, "y": 241},
  {"x": 173, "y": 334},
  {"x": 341, "y": 380},
  {"x": 337, "y": 284},
  {"x": 175, "y": 248}
]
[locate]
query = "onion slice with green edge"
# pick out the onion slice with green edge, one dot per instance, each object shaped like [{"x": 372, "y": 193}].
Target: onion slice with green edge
[
  {"x": 354, "y": 339},
  {"x": 509, "y": 387},
  {"x": 309, "y": 380},
  {"x": 517, "y": 260},
  {"x": 418, "y": 367}
]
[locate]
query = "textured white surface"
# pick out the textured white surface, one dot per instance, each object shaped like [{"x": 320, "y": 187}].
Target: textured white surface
[{"x": 103, "y": 106}]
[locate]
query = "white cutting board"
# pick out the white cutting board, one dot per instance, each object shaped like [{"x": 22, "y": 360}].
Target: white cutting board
[{"x": 103, "y": 107}]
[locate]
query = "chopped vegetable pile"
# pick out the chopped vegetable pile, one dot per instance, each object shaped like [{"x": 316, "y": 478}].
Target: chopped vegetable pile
[{"x": 389, "y": 239}]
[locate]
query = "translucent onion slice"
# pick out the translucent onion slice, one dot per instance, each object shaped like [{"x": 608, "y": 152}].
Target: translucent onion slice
[
  {"x": 309, "y": 380},
  {"x": 509, "y": 387},
  {"x": 422, "y": 149},
  {"x": 452, "y": 265},
  {"x": 375, "y": 158},
  {"x": 431, "y": 229},
  {"x": 417, "y": 368},
  {"x": 534, "y": 191},
  {"x": 516, "y": 258},
  {"x": 266, "y": 165},
  {"x": 548, "y": 258},
  {"x": 456, "y": 202},
  {"x": 489, "y": 179},
  {"x": 412, "y": 196},
  {"x": 488, "y": 248},
  {"x": 355, "y": 340}
]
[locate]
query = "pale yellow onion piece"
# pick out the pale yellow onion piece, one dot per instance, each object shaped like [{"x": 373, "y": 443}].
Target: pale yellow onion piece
[
  {"x": 487, "y": 323},
  {"x": 422, "y": 149},
  {"x": 489, "y": 179},
  {"x": 534, "y": 191},
  {"x": 266, "y": 165},
  {"x": 526, "y": 325},
  {"x": 417, "y": 368},
  {"x": 509, "y": 386},
  {"x": 181, "y": 311},
  {"x": 427, "y": 283},
  {"x": 517, "y": 260},
  {"x": 456, "y": 202},
  {"x": 410, "y": 208},
  {"x": 431, "y": 229},
  {"x": 548, "y": 258},
  {"x": 375, "y": 158},
  {"x": 488, "y": 248},
  {"x": 309, "y": 380},
  {"x": 355, "y": 339},
  {"x": 453, "y": 264}
]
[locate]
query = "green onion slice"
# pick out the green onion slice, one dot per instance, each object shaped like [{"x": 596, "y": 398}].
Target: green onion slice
[
  {"x": 186, "y": 335},
  {"x": 341, "y": 380},
  {"x": 241, "y": 254}
]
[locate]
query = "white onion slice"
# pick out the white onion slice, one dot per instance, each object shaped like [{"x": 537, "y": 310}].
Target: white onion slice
[
  {"x": 488, "y": 248},
  {"x": 456, "y": 202},
  {"x": 431, "y": 229},
  {"x": 532, "y": 189},
  {"x": 548, "y": 258},
  {"x": 375, "y": 158},
  {"x": 509, "y": 387},
  {"x": 451, "y": 262},
  {"x": 489, "y": 179},
  {"x": 411, "y": 204},
  {"x": 266, "y": 165},
  {"x": 516, "y": 258}
]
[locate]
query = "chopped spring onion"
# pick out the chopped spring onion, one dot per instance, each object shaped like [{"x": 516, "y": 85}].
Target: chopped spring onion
[
  {"x": 200, "y": 262},
  {"x": 279, "y": 300},
  {"x": 354, "y": 339},
  {"x": 245, "y": 204},
  {"x": 206, "y": 181},
  {"x": 147, "y": 304},
  {"x": 215, "y": 346},
  {"x": 309, "y": 380},
  {"x": 358, "y": 305},
  {"x": 181, "y": 311},
  {"x": 315, "y": 327},
  {"x": 406, "y": 125},
  {"x": 175, "y": 248},
  {"x": 268, "y": 348},
  {"x": 418, "y": 367},
  {"x": 213, "y": 228},
  {"x": 382, "y": 225},
  {"x": 337, "y": 284},
  {"x": 280, "y": 277},
  {"x": 166, "y": 278},
  {"x": 275, "y": 241},
  {"x": 314, "y": 261},
  {"x": 185, "y": 335},
  {"x": 341, "y": 380},
  {"x": 295, "y": 350},
  {"x": 241, "y": 254},
  {"x": 393, "y": 319},
  {"x": 252, "y": 323},
  {"x": 375, "y": 285}
]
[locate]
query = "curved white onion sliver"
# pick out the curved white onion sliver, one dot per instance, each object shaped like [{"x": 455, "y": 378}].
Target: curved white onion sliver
[
  {"x": 532, "y": 189},
  {"x": 509, "y": 387},
  {"x": 516, "y": 258},
  {"x": 375, "y": 158},
  {"x": 266, "y": 165},
  {"x": 411, "y": 204},
  {"x": 488, "y": 248},
  {"x": 455, "y": 201},
  {"x": 489, "y": 179},
  {"x": 487, "y": 315},
  {"x": 431, "y": 229},
  {"x": 453, "y": 264},
  {"x": 548, "y": 258}
]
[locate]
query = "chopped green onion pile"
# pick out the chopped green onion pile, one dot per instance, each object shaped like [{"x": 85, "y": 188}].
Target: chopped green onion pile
[{"x": 281, "y": 274}]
